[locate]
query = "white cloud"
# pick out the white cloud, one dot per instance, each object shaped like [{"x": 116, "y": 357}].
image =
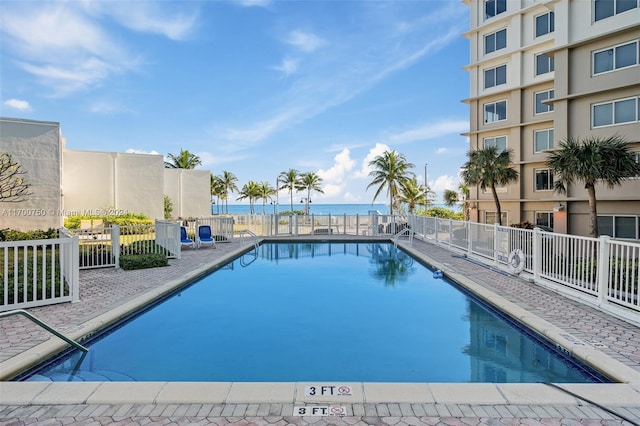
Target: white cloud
[
  {"x": 430, "y": 131},
  {"x": 288, "y": 66},
  {"x": 442, "y": 150},
  {"x": 373, "y": 153},
  {"x": 351, "y": 198},
  {"x": 441, "y": 183},
  {"x": 18, "y": 104},
  {"x": 305, "y": 41},
  {"x": 66, "y": 46},
  {"x": 343, "y": 164},
  {"x": 250, "y": 3}
]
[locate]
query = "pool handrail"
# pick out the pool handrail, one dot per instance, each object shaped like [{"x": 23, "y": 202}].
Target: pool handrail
[
  {"x": 402, "y": 232},
  {"x": 255, "y": 237},
  {"x": 45, "y": 326}
]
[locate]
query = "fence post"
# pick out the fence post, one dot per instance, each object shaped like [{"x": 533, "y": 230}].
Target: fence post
[
  {"x": 345, "y": 223},
  {"x": 603, "y": 267},
  {"x": 537, "y": 254},
  {"x": 495, "y": 240},
  {"x": 295, "y": 222},
  {"x": 75, "y": 268},
  {"x": 450, "y": 232},
  {"x": 115, "y": 244},
  {"x": 469, "y": 238}
]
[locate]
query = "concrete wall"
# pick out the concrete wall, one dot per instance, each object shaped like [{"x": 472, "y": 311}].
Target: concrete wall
[
  {"x": 127, "y": 183},
  {"x": 37, "y": 147},
  {"x": 189, "y": 191}
]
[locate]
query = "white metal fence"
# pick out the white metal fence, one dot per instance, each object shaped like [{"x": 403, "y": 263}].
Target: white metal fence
[
  {"x": 38, "y": 272},
  {"x": 602, "y": 271},
  {"x": 102, "y": 247}
]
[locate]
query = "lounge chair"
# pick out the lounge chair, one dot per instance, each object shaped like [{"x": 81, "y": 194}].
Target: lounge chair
[
  {"x": 204, "y": 236},
  {"x": 185, "y": 241}
]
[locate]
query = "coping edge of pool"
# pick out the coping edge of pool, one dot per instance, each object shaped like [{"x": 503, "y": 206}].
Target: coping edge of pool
[{"x": 580, "y": 349}]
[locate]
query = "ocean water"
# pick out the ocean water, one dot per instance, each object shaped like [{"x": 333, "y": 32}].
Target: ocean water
[{"x": 349, "y": 209}]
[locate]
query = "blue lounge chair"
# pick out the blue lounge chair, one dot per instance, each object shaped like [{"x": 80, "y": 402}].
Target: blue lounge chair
[
  {"x": 204, "y": 236},
  {"x": 185, "y": 241}
]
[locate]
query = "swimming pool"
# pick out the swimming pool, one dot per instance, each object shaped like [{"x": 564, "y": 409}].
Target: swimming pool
[{"x": 351, "y": 312}]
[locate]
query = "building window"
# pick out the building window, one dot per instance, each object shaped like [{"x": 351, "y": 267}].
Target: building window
[
  {"x": 616, "y": 112},
  {"x": 606, "y": 8},
  {"x": 540, "y": 98},
  {"x": 492, "y": 217},
  {"x": 496, "y": 111},
  {"x": 636, "y": 156},
  {"x": 544, "y": 180},
  {"x": 544, "y": 64},
  {"x": 544, "y": 219},
  {"x": 619, "y": 226},
  {"x": 543, "y": 140},
  {"x": 617, "y": 57},
  {"x": 494, "y": 7},
  {"x": 495, "y": 76},
  {"x": 500, "y": 142},
  {"x": 495, "y": 41},
  {"x": 545, "y": 24}
]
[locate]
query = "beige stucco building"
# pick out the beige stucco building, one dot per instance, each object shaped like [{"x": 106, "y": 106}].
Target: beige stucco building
[
  {"x": 67, "y": 182},
  {"x": 544, "y": 70}
]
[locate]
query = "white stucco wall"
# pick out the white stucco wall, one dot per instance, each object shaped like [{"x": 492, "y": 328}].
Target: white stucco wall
[
  {"x": 94, "y": 181},
  {"x": 189, "y": 191},
  {"x": 37, "y": 147}
]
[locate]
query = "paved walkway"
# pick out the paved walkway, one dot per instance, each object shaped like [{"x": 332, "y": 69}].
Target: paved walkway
[{"x": 104, "y": 291}]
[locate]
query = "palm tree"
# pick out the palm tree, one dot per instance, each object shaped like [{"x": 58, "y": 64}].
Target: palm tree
[
  {"x": 265, "y": 192},
  {"x": 390, "y": 171},
  {"x": 489, "y": 167},
  {"x": 464, "y": 191},
  {"x": 309, "y": 181},
  {"x": 184, "y": 160},
  {"x": 591, "y": 160},
  {"x": 228, "y": 184},
  {"x": 450, "y": 197},
  {"x": 289, "y": 180},
  {"x": 412, "y": 194},
  {"x": 250, "y": 191},
  {"x": 217, "y": 189}
]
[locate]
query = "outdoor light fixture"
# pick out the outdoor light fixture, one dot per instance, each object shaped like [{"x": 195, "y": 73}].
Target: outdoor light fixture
[{"x": 559, "y": 208}]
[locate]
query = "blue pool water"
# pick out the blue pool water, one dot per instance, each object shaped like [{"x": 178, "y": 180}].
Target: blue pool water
[{"x": 350, "y": 312}]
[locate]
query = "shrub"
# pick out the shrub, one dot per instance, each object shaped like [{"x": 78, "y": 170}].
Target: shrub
[
  {"x": 13, "y": 235},
  {"x": 142, "y": 261},
  {"x": 442, "y": 213},
  {"x": 129, "y": 219}
]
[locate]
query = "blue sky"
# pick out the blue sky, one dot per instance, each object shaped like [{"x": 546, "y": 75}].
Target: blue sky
[{"x": 254, "y": 87}]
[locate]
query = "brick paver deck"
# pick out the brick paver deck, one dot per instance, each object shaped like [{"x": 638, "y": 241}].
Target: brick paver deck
[{"x": 104, "y": 289}]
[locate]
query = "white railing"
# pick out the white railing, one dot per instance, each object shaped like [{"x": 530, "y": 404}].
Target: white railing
[
  {"x": 168, "y": 237},
  {"x": 38, "y": 272},
  {"x": 603, "y": 272}
]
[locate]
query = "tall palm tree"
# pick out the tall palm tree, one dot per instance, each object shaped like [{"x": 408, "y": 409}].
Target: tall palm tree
[
  {"x": 391, "y": 170},
  {"x": 464, "y": 192},
  {"x": 265, "y": 192},
  {"x": 217, "y": 189},
  {"x": 250, "y": 191},
  {"x": 412, "y": 194},
  {"x": 289, "y": 180},
  {"x": 489, "y": 168},
  {"x": 228, "y": 184},
  {"x": 309, "y": 181},
  {"x": 591, "y": 160},
  {"x": 184, "y": 160}
]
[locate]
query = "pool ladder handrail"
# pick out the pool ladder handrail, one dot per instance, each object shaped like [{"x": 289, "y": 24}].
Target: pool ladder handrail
[
  {"x": 402, "y": 232},
  {"x": 255, "y": 237},
  {"x": 45, "y": 326}
]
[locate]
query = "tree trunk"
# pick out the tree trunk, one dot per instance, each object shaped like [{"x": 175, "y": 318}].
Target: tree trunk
[
  {"x": 593, "y": 214},
  {"x": 390, "y": 202},
  {"x": 495, "y": 200}
]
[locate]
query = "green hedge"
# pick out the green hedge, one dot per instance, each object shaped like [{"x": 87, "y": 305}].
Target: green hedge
[
  {"x": 130, "y": 219},
  {"x": 142, "y": 261},
  {"x": 13, "y": 235}
]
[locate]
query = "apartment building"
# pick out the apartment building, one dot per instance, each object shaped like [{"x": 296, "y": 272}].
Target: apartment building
[{"x": 544, "y": 70}]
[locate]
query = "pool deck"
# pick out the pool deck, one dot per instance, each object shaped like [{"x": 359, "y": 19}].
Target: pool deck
[{"x": 109, "y": 294}]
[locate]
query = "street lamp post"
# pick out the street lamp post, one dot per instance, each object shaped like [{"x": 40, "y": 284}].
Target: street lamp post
[
  {"x": 307, "y": 201},
  {"x": 426, "y": 187}
]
